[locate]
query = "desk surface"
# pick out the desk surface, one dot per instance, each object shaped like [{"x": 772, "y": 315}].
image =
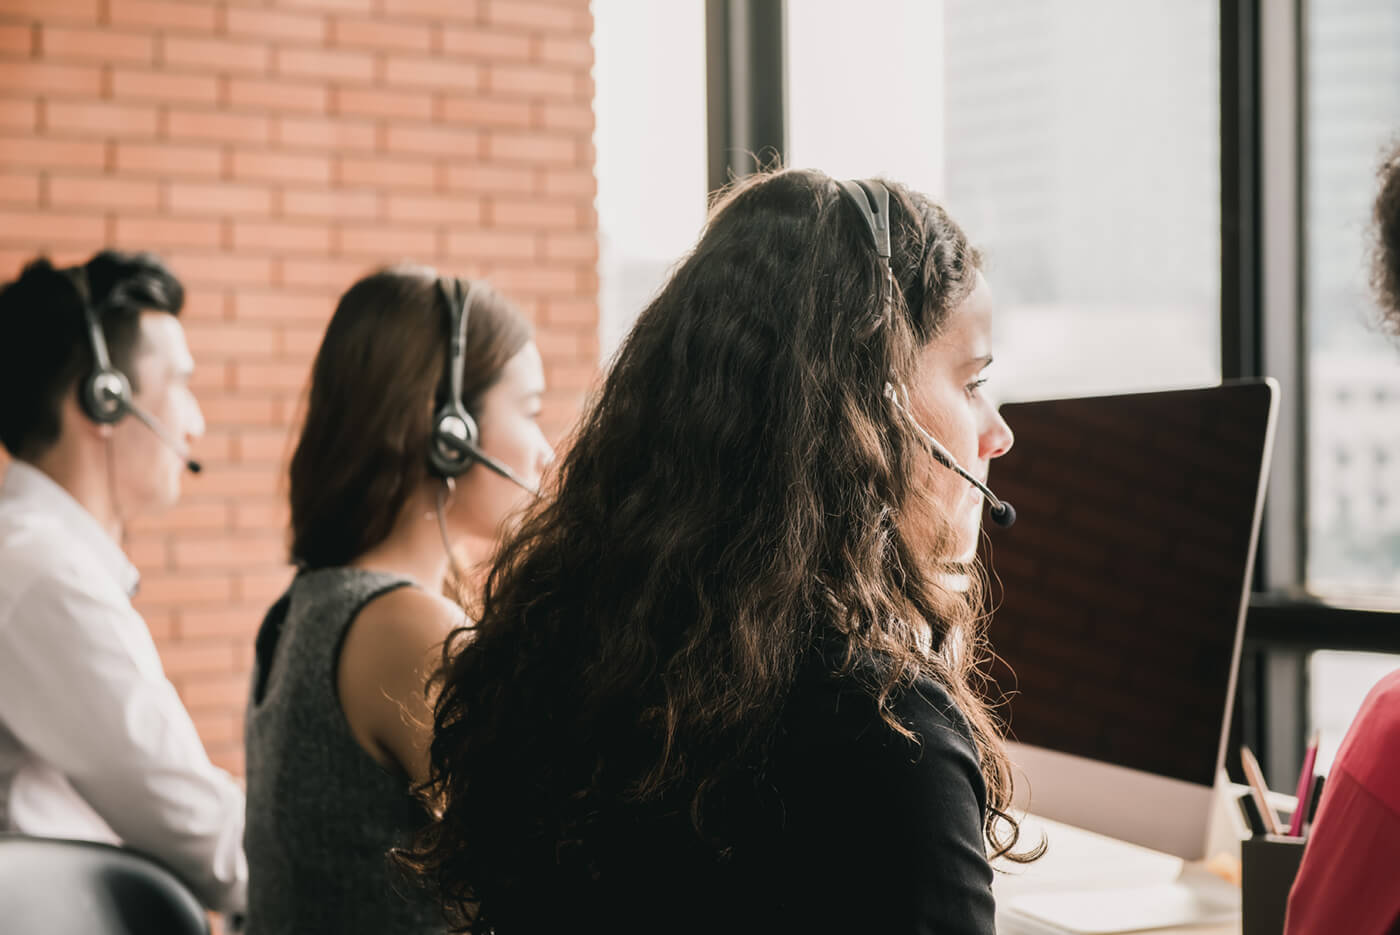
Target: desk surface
[{"x": 1087, "y": 882}]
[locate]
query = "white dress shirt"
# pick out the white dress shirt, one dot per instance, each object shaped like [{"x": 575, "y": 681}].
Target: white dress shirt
[{"x": 94, "y": 742}]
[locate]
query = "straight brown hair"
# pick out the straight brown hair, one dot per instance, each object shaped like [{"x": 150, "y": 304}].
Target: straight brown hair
[{"x": 376, "y": 381}]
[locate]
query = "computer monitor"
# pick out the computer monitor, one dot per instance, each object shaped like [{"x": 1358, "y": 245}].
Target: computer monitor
[{"x": 1123, "y": 587}]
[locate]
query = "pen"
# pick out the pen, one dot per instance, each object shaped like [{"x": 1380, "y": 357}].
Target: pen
[
  {"x": 1252, "y": 817},
  {"x": 1256, "y": 785},
  {"x": 1314, "y": 800},
  {"x": 1305, "y": 781}
]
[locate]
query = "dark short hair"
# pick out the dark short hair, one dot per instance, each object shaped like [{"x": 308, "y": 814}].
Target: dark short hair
[
  {"x": 43, "y": 344},
  {"x": 376, "y": 381},
  {"x": 1385, "y": 264}
]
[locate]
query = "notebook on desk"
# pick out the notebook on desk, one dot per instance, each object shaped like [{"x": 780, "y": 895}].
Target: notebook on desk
[{"x": 1123, "y": 590}]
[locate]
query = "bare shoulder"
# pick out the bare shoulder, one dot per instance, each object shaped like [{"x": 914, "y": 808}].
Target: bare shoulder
[{"x": 408, "y": 617}]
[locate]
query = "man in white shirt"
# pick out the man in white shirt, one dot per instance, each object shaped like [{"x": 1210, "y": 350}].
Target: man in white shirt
[{"x": 94, "y": 742}]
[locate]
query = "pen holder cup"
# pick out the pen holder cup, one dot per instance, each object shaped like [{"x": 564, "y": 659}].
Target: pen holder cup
[{"x": 1268, "y": 864}]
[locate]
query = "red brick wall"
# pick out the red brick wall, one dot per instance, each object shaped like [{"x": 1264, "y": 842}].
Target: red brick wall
[{"x": 273, "y": 150}]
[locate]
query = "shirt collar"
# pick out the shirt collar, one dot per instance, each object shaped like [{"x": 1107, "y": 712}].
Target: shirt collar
[{"x": 30, "y": 488}]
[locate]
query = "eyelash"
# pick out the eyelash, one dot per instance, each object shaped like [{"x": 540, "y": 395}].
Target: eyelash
[{"x": 975, "y": 385}]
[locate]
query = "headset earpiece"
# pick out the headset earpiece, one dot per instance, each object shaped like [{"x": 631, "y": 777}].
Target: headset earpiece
[
  {"x": 452, "y": 447},
  {"x": 105, "y": 393}
]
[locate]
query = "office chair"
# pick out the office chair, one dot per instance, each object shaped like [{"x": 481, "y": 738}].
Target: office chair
[{"x": 63, "y": 887}]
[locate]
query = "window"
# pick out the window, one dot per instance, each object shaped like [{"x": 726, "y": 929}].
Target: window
[
  {"x": 1351, "y": 117},
  {"x": 1077, "y": 142},
  {"x": 650, "y": 110}
]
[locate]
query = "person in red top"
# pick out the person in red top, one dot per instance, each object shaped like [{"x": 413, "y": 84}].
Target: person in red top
[{"x": 1348, "y": 879}]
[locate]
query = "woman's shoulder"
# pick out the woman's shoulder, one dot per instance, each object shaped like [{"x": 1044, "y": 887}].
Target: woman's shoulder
[{"x": 842, "y": 700}]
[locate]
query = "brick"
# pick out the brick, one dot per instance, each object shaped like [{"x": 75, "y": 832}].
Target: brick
[
  {"x": 266, "y": 514},
  {"x": 485, "y": 111},
  {"x": 398, "y": 174},
  {"x": 301, "y": 341},
  {"x": 580, "y": 182},
  {"x": 275, "y": 24},
  {"x": 262, "y": 587},
  {"x": 233, "y": 481},
  {"x": 218, "y": 340},
  {"x": 463, "y": 10},
  {"x": 212, "y": 376},
  {"x": 542, "y": 281},
  {"x": 567, "y": 117},
  {"x": 436, "y": 209},
  {"x": 273, "y": 444},
  {"x": 220, "y": 127},
  {"x": 532, "y": 214},
  {"x": 216, "y": 54},
  {"x": 183, "y": 658},
  {"x": 17, "y": 114},
  {"x": 435, "y": 141},
  {"x": 19, "y": 188},
  {"x": 237, "y": 410},
  {"x": 332, "y": 6},
  {"x": 352, "y": 32},
  {"x": 16, "y": 39},
  {"x": 492, "y": 245},
  {"x": 478, "y": 177},
  {"x": 81, "y": 44},
  {"x": 169, "y": 159},
  {"x": 281, "y": 237},
  {"x": 336, "y": 64},
  {"x": 47, "y": 10},
  {"x": 282, "y": 307},
  {"x": 269, "y": 375},
  {"x": 162, "y": 232},
  {"x": 566, "y": 50},
  {"x": 329, "y": 274},
  {"x": 375, "y": 102},
  {"x": 218, "y": 691},
  {"x": 166, "y": 589},
  {"x": 165, "y": 15},
  {"x": 83, "y": 118},
  {"x": 221, "y": 269},
  {"x": 274, "y": 166},
  {"x": 530, "y": 81},
  {"x": 322, "y": 133},
  {"x": 139, "y": 85},
  {"x": 103, "y": 192},
  {"x": 148, "y": 552},
  {"x": 534, "y": 16},
  {"x": 224, "y": 198},
  {"x": 333, "y": 203},
  {"x": 483, "y": 44},
  {"x": 580, "y": 246},
  {"x": 279, "y": 95},
  {"x": 30, "y": 77},
  {"x": 188, "y": 516},
  {"x": 204, "y": 305},
  {"x": 435, "y": 74},
  {"x": 388, "y": 243},
  {"x": 531, "y": 148}
]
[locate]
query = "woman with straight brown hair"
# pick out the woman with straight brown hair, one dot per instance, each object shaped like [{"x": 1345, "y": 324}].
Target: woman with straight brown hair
[{"x": 420, "y": 430}]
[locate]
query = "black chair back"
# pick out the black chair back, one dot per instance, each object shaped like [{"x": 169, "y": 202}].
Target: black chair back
[{"x": 63, "y": 887}]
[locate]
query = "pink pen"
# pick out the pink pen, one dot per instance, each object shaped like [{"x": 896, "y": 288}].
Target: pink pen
[{"x": 1305, "y": 784}]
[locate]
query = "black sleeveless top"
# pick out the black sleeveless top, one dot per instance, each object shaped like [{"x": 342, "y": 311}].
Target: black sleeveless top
[{"x": 322, "y": 813}]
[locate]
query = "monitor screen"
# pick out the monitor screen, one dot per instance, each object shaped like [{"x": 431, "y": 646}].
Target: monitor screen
[{"x": 1122, "y": 583}]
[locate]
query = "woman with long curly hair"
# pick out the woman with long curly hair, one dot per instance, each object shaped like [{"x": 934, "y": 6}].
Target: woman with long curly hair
[{"x": 725, "y": 677}]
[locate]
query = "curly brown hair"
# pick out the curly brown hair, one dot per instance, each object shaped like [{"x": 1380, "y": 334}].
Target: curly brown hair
[
  {"x": 1385, "y": 256},
  {"x": 741, "y": 492}
]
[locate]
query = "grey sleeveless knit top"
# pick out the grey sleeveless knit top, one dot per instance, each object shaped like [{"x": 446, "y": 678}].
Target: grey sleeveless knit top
[{"x": 322, "y": 813}]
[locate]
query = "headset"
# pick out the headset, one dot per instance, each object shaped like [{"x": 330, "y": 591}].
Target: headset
[
  {"x": 105, "y": 394},
  {"x": 454, "y": 444},
  {"x": 872, "y": 199}
]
